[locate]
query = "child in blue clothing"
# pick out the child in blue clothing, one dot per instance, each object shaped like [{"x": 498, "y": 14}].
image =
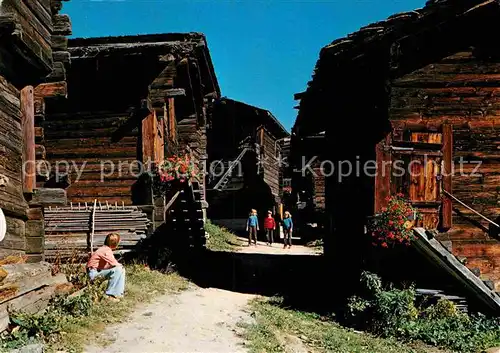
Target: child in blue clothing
[
  {"x": 287, "y": 230},
  {"x": 252, "y": 227}
]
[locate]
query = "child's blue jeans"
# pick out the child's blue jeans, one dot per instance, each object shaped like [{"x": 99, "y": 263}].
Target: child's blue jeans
[{"x": 116, "y": 277}]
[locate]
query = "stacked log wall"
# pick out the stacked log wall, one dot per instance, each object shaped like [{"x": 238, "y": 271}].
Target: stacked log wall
[
  {"x": 31, "y": 59},
  {"x": 12, "y": 200},
  {"x": 35, "y": 22},
  {"x": 270, "y": 163},
  {"x": 462, "y": 90},
  {"x": 84, "y": 141}
]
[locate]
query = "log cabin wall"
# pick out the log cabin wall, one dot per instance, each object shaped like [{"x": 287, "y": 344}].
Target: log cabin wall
[
  {"x": 461, "y": 90},
  {"x": 233, "y": 126},
  {"x": 12, "y": 200},
  {"x": 28, "y": 66},
  {"x": 270, "y": 163},
  {"x": 98, "y": 168},
  {"x": 378, "y": 55},
  {"x": 308, "y": 198},
  {"x": 132, "y": 119}
]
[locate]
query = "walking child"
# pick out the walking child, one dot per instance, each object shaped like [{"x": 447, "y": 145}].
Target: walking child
[
  {"x": 270, "y": 227},
  {"x": 252, "y": 227},
  {"x": 287, "y": 230}
]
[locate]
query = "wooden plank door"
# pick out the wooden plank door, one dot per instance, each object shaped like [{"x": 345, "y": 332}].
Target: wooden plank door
[
  {"x": 153, "y": 143},
  {"x": 412, "y": 165}
]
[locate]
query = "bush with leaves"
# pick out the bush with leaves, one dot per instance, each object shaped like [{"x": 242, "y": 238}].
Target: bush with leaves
[{"x": 392, "y": 312}]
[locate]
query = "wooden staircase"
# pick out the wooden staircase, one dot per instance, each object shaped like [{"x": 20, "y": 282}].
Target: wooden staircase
[
  {"x": 185, "y": 220},
  {"x": 232, "y": 178},
  {"x": 481, "y": 290}
]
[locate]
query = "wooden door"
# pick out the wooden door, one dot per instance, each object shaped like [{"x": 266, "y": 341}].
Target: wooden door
[
  {"x": 417, "y": 164},
  {"x": 153, "y": 143}
]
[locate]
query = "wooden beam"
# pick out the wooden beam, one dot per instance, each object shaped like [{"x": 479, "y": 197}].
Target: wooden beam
[
  {"x": 52, "y": 90},
  {"x": 134, "y": 120},
  {"x": 172, "y": 120},
  {"x": 447, "y": 212},
  {"x": 49, "y": 197},
  {"x": 383, "y": 174},
  {"x": 148, "y": 138},
  {"x": 28, "y": 126},
  {"x": 175, "y": 92},
  {"x": 59, "y": 43},
  {"x": 62, "y": 25}
]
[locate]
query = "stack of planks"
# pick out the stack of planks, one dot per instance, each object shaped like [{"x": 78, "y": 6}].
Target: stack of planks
[
  {"x": 27, "y": 288},
  {"x": 72, "y": 230}
]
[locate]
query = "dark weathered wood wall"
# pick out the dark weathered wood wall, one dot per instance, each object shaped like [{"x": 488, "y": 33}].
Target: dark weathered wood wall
[
  {"x": 84, "y": 141},
  {"x": 270, "y": 162},
  {"x": 462, "y": 90},
  {"x": 32, "y": 68},
  {"x": 12, "y": 199}
]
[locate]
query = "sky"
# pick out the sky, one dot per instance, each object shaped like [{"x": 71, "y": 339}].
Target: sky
[{"x": 263, "y": 51}]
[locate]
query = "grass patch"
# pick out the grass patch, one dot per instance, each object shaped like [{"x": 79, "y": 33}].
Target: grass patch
[
  {"x": 68, "y": 325},
  {"x": 221, "y": 239},
  {"x": 273, "y": 323},
  {"x": 316, "y": 244},
  {"x": 394, "y": 312}
]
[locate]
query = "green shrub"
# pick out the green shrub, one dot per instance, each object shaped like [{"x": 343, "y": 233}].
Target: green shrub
[{"x": 392, "y": 313}]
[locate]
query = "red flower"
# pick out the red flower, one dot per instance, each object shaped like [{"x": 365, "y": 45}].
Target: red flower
[{"x": 384, "y": 245}]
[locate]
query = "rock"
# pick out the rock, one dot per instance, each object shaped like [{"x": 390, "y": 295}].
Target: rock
[
  {"x": 492, "y": 350},
  {"x": 3, "y": 274},
  {"x": 31, "y": 348}
]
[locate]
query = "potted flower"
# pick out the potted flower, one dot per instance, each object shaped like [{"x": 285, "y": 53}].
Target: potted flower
[
  {"x": 393, "y": 226},
  {"x": 174, "y": 171}
]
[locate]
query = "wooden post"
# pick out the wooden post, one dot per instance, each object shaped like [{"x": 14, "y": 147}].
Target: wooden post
[
  {"x": 28, "y": 126},
  {"x": 92, "y": 228},
  {"x": 383, "y": 174},
  {"x": 446, "y": 221},
  {"x": 148, "y": 138}
]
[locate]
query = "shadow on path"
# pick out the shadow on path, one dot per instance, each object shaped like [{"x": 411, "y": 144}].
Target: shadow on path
[{"x": 299, "y": 279}]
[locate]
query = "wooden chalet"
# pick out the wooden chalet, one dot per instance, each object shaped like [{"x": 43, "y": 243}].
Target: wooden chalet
[
  {"x": 32, "y": 73},
  {"x": 307, "y": 199},
  {"x": 421, "y": 86},
  {"x": 132, "y": 102},
  {"x": 244, "y": 164}
]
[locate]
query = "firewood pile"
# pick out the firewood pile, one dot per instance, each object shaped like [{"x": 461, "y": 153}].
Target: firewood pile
[
  {"x": 78, "y": 229},
  {"x": 26, "y": 287}
]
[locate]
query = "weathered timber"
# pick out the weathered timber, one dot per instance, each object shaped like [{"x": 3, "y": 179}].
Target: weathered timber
[
  {"x": 23, "y": 278},
  {"x": 52, "y": 90},
  {"x": 175, "y": 92},
  {"x": 62, "y": 25},
  {"x": 69, "y": 228},
  {"x": 30, "y": 289},
  {"x": 429, "y": 246},
  {"x": 59, "y": 42},
  {"x": 28, "y": 123},
  {"x": 58, "y": 73},
  {"x": 49, "y": 197},
  {"x": 62, "y": 56}
]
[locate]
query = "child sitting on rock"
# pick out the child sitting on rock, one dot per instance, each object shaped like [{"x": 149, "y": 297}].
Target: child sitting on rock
[{"x": 102, "y": 263}]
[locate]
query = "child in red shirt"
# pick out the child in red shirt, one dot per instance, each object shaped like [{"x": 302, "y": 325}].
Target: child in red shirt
[{"x": 269, "y": 226}]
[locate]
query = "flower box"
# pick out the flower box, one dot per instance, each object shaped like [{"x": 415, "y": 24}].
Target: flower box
[
  {"x": 393, "y": 226},
  {"x": 174, "y": 172}
]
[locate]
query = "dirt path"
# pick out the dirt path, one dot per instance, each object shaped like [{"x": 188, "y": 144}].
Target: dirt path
[
  {"x": 276, "y": 249},
  {"x": 198, "y": 320}
]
